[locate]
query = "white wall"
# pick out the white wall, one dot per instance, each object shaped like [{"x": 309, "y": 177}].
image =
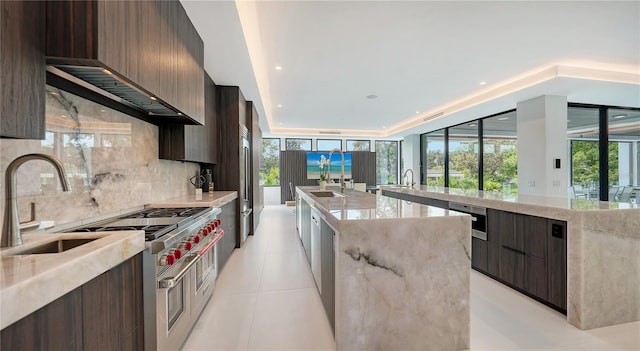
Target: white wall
[
  {"x": 271, "y": 195},
  {"x": 542, "y": 138}
]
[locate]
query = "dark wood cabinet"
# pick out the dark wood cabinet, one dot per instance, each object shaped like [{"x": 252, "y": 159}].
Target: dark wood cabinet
[
  {"x": 106, "y": 313},
  {"x": 192, "y": 142},
  {"x": 22, "y": 69},
  {"x": 557, "y": 263},
  {"x": 529, "y": 257},
  {"x": 327, "y": 259},
  {"x": 256, "y": 199},
  {"x": 150, "y": 45},
  {"x": 493, "y": 258},
  {"x": 227, "y": 244},
  {"x": 479, "y": 254}
]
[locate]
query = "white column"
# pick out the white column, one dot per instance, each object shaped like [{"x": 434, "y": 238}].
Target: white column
[
  {"x": 542, "y": 138},
  {"x": 411, "y": 156}
]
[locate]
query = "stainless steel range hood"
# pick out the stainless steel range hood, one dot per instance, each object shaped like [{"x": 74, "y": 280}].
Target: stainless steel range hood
[{"x": 100, "y": 82}]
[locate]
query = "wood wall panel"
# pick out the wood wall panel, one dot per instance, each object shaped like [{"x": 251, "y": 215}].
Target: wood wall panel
[
  {"x": 293, "y": 170},
  {"x": 22, "y": 69}
]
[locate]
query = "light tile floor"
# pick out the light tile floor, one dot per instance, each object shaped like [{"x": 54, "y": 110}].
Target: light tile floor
[{"x": 265, "y": 299}]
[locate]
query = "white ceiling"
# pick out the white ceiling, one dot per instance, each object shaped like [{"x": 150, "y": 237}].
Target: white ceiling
[{"x": 426, "y": 56}]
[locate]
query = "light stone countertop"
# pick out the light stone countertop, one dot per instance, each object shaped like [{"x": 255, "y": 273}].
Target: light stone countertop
[
  {"x": 550, "y": 207},
  {"x": 215, "y": 199},
  {"x": 29, "y": 282},
  {"x": 358, "y": 205}
]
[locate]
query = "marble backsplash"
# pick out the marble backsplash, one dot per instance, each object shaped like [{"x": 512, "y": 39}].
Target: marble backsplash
[{"x": 111, "y": 160}]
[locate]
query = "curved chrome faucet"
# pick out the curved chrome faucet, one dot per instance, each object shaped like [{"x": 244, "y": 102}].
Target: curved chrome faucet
[
  {"x": 410, "y": 185},
  {"x": 342, "y": 185},
  {"x": 11, "y": 235}
]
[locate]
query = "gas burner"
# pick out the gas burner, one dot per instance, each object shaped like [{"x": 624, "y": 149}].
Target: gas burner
[{"x": 115, "y": 229}]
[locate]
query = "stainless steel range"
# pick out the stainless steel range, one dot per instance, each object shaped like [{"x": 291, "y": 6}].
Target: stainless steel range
[{"x": 179, "y": 268}]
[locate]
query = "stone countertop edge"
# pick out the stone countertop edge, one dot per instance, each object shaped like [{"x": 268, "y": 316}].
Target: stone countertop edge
[
  {"x": 358, "y": 200},
  {"x": 29, "y": 282},
  {"x": 215, "y": 199},
  {"x": 551, "y": 207}
]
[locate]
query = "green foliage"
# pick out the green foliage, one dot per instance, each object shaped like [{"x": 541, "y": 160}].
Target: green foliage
[
  {"x": 585, "y": 162},
  {"x": 270, "y": 168},
  {"x": 387, "y": 162}
]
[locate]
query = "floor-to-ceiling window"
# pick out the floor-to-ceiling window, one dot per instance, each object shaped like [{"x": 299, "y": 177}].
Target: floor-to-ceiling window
[
  {"x": 500, "y": 153},
  {"x": 583, "y": 128},
  {"x": 463, "y": 156},
  {"x": 270, "y": 162},
  {"x": 433, "y": 158},
  {"x": 624, "y": 154},
  {"x": 386, "y": 162}
]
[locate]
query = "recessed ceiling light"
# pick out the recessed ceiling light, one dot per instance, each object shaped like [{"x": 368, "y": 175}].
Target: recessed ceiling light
[
  {"x": 619, "y": 116},
  {"x": 417, "y": 112},
  {"x": 384, "y": 127},
  {"x": 53, "y": 93},
  {"x": 483, "y": 83},
  {"x": 280, "y": 123},
  {"x": 503, "y": 118},
  {"x": 472, "y": 125},
  {"x": 63, "y": 116},
  {"x": 106, "y": 71},
  {"x": 278, "y": 68},
  {"x": 279, "y": 105},
  {"x": 102, "y": 110},
  {"x": 372, "y": 96},
  {"x": 179, "y": 113},
  {"x": 153, "y": 98}
]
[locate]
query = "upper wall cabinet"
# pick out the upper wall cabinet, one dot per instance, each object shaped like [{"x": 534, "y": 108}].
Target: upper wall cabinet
[
  {"x": 22, "y": 69},
  {"x": 146, "y": 53},
  {"x": 192, "y": 143}
]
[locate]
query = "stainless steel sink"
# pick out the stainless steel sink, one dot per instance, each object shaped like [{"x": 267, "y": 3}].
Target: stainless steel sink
[
  {"x": 55, "y": 246},
  {"x": 325, "y": 193}
]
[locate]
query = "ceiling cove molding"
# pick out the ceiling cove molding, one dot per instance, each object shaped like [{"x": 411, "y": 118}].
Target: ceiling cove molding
[{"x": 506, "y": 87}]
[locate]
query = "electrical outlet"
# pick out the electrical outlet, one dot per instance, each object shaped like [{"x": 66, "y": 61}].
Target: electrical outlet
[{"x": 532, "y": 184}]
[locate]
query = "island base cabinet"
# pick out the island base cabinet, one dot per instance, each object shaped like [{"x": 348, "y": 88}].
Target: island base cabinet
[
  {"x": 328, "y": 291},
  {"x": 106, "y": 313},
  {"x": 557, "y": 263},
  {"x": 479, "y": 258},
  {"x": 493, "y": 259}
]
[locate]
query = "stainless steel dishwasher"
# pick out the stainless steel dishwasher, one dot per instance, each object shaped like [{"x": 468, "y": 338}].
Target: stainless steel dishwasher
[{"x": 315, "y": 247}]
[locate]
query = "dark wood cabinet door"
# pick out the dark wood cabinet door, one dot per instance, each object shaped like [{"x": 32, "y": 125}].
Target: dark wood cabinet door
[
  {"x": 479, "y": 254},
  {"x": 328, "y": 271},
  {"x": 534, "y": 234},
  {"x": 227, "y": 244},
  {"x": 535, "y": 272},
  {"x": 512, "y": 266},
  {"x": 112, "y": 308},
  {"x": 114, "y": 36},
  {"x": 56, "y": 326},
  {"x": 22, "y": 69},
  {"x": 557, "y": 263},
  {"x": 493, "y": 259},
  {"x": 501, "y": 228}
]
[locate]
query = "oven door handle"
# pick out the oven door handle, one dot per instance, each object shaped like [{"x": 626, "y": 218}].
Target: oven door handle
[
  {"x": 172, "y": 281},
  {"x": 211, "y": 244}
]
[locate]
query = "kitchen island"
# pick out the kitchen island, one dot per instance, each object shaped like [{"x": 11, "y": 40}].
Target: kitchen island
[
  {"x": 393, "y": 275},
  {"x": 602, "y": 247}
]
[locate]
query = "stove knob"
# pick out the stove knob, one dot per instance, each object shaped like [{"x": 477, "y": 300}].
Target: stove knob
[
  {"x": 196, "y": 239},
  {"x": 218, "y": 222},
  {"x": 167, "y": 260},
  {"x": 186, "y": 245},
  {"x": 205, "y": 231},
  {"x": 177, "y": 253}
]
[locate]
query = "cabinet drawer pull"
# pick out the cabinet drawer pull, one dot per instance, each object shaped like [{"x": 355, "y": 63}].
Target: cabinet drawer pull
[{"x": 514, "y": 250}]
